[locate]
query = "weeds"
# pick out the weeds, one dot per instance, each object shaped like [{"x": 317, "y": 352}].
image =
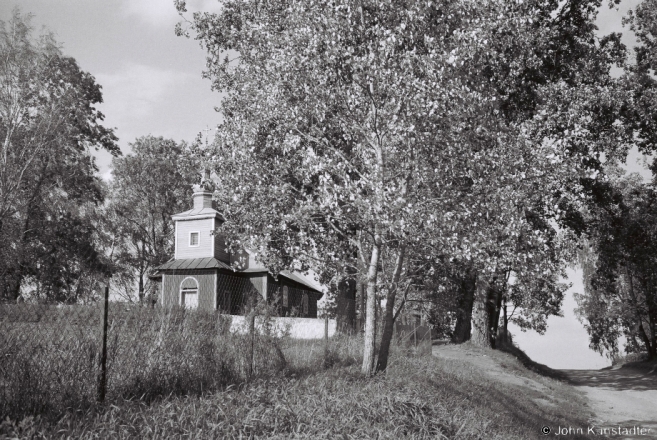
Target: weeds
[
  {"x": 49, "y": 359},
  {"x": 418, "y": 397},
  {"x": 179, "y": 374}
]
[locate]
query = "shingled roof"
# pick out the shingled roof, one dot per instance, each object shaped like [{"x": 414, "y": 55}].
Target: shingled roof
[
  {"x": 197, "y": 213},
  {"x": 194, "y": 263}
]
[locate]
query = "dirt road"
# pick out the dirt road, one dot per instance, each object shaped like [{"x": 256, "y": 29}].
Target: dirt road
[
  {"x": 624, "y": 397},
  {"x": 620, "y": 398}
]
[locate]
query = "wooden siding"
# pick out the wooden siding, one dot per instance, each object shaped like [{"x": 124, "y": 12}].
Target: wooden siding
[
  {"x": 295, "y": 298},
  {"x": 206, "y": 238},
  {"x": 206, "y": 283},
  {"x": 221, "y": 252},
  {"x": 233, "y": 292}
]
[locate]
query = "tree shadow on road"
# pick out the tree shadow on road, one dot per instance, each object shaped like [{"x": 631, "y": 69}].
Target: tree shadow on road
[
  {"x": 527, "y": 362},
  {"x": 637, "y": 376},
  {"x": 626, "y": 378}
]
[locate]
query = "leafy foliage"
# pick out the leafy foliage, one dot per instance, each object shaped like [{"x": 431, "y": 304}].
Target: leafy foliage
[
  {"x": 384, "y": 137},
  {"x": 620, "y": 296},
  {"x": 618, "y": 260},
  {"x": 148, "y": 187},
  {"x": 48, "y": 186}
]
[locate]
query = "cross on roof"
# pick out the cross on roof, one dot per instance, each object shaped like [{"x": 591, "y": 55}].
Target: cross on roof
[{"x": 206, "y": 130}]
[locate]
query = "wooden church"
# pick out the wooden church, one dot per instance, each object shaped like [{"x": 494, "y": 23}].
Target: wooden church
[{"x": 204, "y": 274}]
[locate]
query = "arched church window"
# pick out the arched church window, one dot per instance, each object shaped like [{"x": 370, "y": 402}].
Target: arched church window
[{"x": 189, "y": 293}]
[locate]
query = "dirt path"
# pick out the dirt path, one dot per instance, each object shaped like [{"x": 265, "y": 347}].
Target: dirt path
[
  {"x": 624, "y": 397},
  {"x": 484, "y": 363}
]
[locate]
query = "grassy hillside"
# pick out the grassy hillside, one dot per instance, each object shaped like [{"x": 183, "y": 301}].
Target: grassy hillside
[{"x": 461, "y": 392}]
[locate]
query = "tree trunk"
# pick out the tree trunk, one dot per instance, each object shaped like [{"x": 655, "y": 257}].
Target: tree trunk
[
  {"x": 464, "y": 314},
  {"x": 495, "y": 306},
  {"x": 644, "y": 337},
  {"x": 369, "y": 339},
  {"x": 506, "y": 320},
  {"x": 346, "y": 306},
  {"x": 15, "y": 284},
  {"x": 362, "y": 294},
  {"x": 141, "y": 287},
  {"x": 480, "y": 316},
  {"x": 389, "y": 316},
  {"x": 652, "y": 349}
]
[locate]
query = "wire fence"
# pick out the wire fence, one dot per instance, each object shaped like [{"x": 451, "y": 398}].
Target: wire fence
[
  {"x": 60, "y": 358},
  {"x": 199, "y": 288},
  {"x": 55, "y": 358}
]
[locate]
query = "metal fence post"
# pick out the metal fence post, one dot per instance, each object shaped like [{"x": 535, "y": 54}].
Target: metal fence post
[
  {"x": 326, "y": 338},
  {"x": 102, "y": 374},
  {"x": 252, "y": 320}
]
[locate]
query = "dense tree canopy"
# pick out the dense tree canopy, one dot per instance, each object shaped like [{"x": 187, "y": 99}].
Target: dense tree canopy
[
  {"x": 406, "y": 132},
  {"x": 49, "y": 188},
  {"x": 641, "y": 74},
  {"x": 620, "y": 296}
]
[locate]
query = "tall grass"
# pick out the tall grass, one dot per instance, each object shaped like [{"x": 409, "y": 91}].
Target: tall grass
[
  {"x": 175, "y": 373},
  {"x": 49, "y": 356},
  {"x": 179, "y": 374},
  {"x": 417, "y": 397}
]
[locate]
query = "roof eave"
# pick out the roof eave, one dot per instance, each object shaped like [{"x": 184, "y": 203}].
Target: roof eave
[{"x": 183, "y": 216}]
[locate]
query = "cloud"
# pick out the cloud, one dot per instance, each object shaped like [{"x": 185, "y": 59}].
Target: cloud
[
  {"x": 163, "y": 12},
  {"x": 153, "y": 12},
  {"x": 139, "y": 100},
  {"x": 137, "y": 90}
]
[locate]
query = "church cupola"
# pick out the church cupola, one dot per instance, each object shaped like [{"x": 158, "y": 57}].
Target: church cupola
[
  {"x": 203, "y": 192},
  {"x": 202, "y": 197},
  {"x": 196, "y": 229}
]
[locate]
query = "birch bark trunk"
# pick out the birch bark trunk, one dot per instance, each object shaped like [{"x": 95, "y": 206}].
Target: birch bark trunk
[{"x": 369, "y": 339}]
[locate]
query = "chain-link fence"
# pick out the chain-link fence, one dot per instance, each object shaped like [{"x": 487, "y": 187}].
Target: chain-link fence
[
  {"x": 60, "y": 358},
  {"x": 198, "y": 288},
  {"x": 414, "y": 335},
  {"x": 53, "y": 358}
]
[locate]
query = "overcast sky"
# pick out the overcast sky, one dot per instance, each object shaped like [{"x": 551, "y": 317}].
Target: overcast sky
[
  {"x": 152, "y": 84},
  {"x": 151, "y": 79}
]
